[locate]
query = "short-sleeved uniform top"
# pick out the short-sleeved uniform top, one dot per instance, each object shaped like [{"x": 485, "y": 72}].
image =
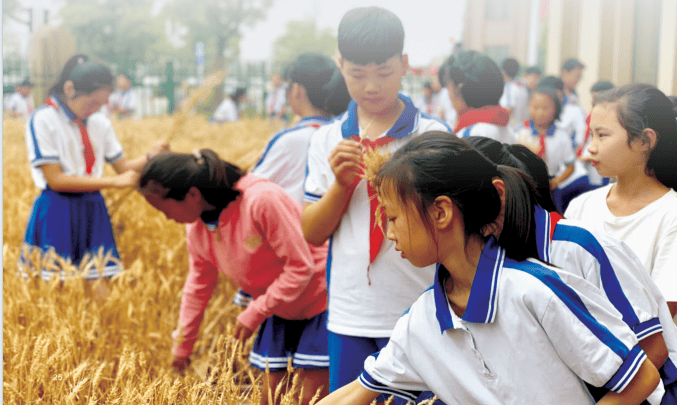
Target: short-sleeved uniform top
[
  {"x": 650, "y": 232},
  {"x": 283, "y": 161},
  {"x": 276, "y": 99},
  {"x": 19, "y": 104},
  {"x": 559, "y": 152},
  {"x": 529, "y": 335},
  {"x": 54, "y": 137},
  {"x": 515, "y": 97},
  {"x": 572, "y": 119},
  {"x": 127, "y": 101},
  {"x": 365, "y": 299},
  {"x": 610, "y": 265},
  {"x": 226, "y": 111}
]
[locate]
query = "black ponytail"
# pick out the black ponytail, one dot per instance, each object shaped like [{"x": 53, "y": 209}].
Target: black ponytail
[
  {"x": 323, "y": 82},
  {"x": 171, "y": 175},
  {"x": 440, "y": 164}
]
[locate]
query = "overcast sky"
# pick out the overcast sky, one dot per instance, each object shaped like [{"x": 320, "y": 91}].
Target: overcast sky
[{"x": 429, "y": 25}]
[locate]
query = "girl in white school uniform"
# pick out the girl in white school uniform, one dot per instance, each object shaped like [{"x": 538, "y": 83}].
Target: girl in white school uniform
[
  {"x": 497, "y": 327},
  {"x": 633, "y": 138},
  {"x": 68, "y": 144},
  {"x": 604, "y": 261}
]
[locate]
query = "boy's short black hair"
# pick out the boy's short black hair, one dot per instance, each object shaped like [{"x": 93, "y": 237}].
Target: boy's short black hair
[
  {"x": 532, "y": 70},
  {"x": 510, "y": 66},
  {"x": 552, "y": 81},
  {"x": 571, "y": 64},
  {"x": 601, "y": 86},
  {"x": 370, "y": 35},
  {"x": 481, "y": 80}
]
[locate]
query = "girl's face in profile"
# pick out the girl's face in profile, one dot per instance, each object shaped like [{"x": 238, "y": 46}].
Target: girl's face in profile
[
  {"x": 84, "y": 105},
  {"x": 407, "y": 230},
  {"x": 185, "y": 211},
  {"x": 609, "y": 149}
]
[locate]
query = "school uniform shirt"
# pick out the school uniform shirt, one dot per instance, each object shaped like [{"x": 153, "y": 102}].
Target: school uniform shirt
[
  {"x": 610, "y": 265},
  {"x": 489, "y": 121},
  {"x": 284, "y": 159},
  {"x": 365, "y": 299},
  {"x": 558, "y": 150},
  {"x": 572, "y": 120},
  {"x": 19, "y": 104},
  {"x": 515, "y": 97},
  {"x": 258, "y": 243},
  {"x": 276, "y": 99},
  {"x": 446, "y": 105},
  {"x": 226, "y": 112},
  {"x": 430, "y": 107},
  {"x": 54, "y": 137},
  {"x": 127, "y": 101},
  {"x": 529, "y": 335},
  {"x": 650, "y": 232}
]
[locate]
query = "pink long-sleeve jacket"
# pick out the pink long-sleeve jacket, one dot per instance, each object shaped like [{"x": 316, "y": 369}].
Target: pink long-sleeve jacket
[{"x": 259, "y": 243}]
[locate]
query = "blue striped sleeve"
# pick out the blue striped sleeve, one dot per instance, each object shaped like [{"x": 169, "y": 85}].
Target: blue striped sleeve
[
  {"x": 372, "y": 384},
  {"x": 310, "y": 197},
  {"x": 647, "y": 328},
  {"x": 114, "y": 158},
  {"x": 44, "y": 160},
  {"x": 627, "y": 371}
]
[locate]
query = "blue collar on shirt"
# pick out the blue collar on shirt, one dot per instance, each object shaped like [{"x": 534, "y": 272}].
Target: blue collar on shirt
[
  {"x": 542, "y": 233},
  {"x": 317, "y": 118},
  {"x": 550, "y": 130},
  {"x": 67, "y": 112},
  {"x": 406, "y": 123},
  {"x": 482, "y": 302}
]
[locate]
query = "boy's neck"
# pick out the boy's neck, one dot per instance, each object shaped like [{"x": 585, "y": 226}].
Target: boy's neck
[
  {"x": 541, "y": 129},
  {"x": 376, "y": 124}
]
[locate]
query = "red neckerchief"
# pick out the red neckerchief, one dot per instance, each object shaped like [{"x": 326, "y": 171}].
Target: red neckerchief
[
  {"x": 490, "y": 114},
  {"x": 375, "y": 232},
  {"x": 587, "y": 136},
  {"x": 89, "y": 157}
]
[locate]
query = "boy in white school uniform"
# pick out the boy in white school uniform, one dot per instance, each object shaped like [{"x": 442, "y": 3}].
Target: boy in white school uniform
[
  {"x": 276, "y": 100},
  {"x": 515, "y": 96},
  {"x": 370, "y": 284},
  {"x": 19, "y": 104}
]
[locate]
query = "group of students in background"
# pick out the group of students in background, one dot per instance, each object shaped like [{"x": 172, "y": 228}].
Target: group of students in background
[{"x": 454, "y": 270}]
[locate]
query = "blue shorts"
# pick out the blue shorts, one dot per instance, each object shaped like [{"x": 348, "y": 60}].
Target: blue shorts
[{"x": 278, "y": 339}]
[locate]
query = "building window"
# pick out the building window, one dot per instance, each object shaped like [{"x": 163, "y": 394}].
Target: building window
[{"x": 498, "y": 9}]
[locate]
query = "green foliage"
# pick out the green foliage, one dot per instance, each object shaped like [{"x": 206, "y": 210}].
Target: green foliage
[{"x": 300, "y": 37}]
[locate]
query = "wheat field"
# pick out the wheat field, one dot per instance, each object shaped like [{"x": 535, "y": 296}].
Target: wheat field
[{"x": 61, "y": 347}]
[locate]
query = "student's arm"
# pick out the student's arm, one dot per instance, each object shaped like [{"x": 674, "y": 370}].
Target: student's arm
[
  {"x": 321, "y": 219},
  {"x": 554, "y": 183},
  {"x": 123, "y": 164},
  {"x": 64, "y": 183},
  {"x": 351, "y": 394},
  {"x": 655, "y": 348},
  {"x": 638, "y": 389}
]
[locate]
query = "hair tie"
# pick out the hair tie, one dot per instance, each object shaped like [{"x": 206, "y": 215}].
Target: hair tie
[{"x": 198, "y": 156}]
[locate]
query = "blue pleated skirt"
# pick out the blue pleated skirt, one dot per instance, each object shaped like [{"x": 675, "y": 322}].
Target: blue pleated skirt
[{"x": 72, "y": 226}]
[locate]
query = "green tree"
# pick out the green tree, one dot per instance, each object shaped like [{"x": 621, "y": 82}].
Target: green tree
[
  {"x": 302, "y": 36},
  {"x": 120, "y": 32}
]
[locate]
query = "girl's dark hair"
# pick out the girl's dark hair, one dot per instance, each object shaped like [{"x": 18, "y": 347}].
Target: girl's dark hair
[
  {"x": 87, "y": 76},
  {"x": 551, "y": 92},
  {"x": 370, "y": 35},
  {"x": 552, "y": 81},
  {"x": 323, "y": 82},
  {"x": 171, "y": 175},
  {"x": 518, "y": 157},
  {"x": 642, "y": 106},
  {"x": 478, "y": 76},
  {"x": 237, "y": 94},
  {"x": 440, "y": 164}
]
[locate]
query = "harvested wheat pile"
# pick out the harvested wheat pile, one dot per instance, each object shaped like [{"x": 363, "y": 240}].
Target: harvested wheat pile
[{"x": 60, "y": 347}]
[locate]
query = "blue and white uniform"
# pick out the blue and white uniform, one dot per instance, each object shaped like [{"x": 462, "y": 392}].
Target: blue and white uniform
[
  {"x": 530, "y": 334},
  {"x": 284, "y": 159},
  {"x": 126, "y": 101},
  {"x": 70, "y": 224},
  {"x": 515, "y": 97},
  {"x": 275, "y": 100},
  {"x": 611, "y": 265},
  {"x": 365, "y": 299}
]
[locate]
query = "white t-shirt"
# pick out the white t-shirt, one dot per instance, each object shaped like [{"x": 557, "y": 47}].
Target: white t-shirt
[
  {"x": 447, "y": 107},
  {"x": 530, "y": 334},
  {"x": 432, "y": 107},
  {"x": 515, "y": 97},
  {"x": 365, "y": 299},
  {"x": 226, "y": 111},
  {"x": 19, "y": 104},
  {"x": 284, "y": 159},
  {"x": 650, "y": 232},
  {"x": 610, "y": 265},
  {"x": 492, "y": 131},
  {"x": 53, "y": 137}
]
